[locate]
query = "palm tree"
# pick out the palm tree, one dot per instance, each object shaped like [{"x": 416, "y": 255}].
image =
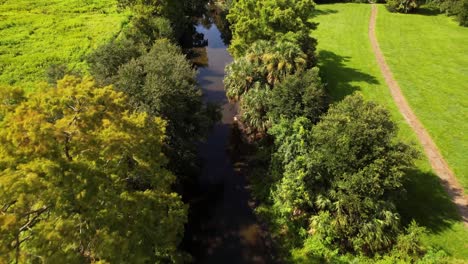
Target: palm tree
[
  {"x": 286, "y": 58},
  {"x": 240, "y": 76}
]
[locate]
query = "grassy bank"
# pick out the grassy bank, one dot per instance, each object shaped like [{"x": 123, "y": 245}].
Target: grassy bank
[
  {"x": 39, "y": 33},
  {"x": 349, "y": 65}
]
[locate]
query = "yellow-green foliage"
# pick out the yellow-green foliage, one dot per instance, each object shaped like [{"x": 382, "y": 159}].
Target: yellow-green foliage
[
  {"x": 38, "y": 33},
  {"x": 83, "y": 178}
]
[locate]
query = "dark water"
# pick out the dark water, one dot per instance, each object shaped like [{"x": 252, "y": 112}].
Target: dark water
[{"x": 222, "y": 226}]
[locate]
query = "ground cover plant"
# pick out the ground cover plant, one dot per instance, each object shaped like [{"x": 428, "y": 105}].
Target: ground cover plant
[
  {"x": 39, "y": 34},
  {"x": 348, "y": 65}
]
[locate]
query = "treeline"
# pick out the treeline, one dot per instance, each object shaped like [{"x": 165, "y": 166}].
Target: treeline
[
  {"x": 327, "y": 176},
  {"x": 92, "y": 169},
  {"x": 456, "y": 8}
]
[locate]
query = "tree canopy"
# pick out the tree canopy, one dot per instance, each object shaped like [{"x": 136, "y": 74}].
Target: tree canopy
[
  {"x": 163, "y": 83},
  {"x": 271, "y": 20},
  {"x": 83, "y": 179},
  {"x": 342, "y": 176}
]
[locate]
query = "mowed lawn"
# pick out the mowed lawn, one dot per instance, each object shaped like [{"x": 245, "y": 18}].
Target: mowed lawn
[
  {"x": 428, "y": 55},
  {"x": 348, "y": 65},
  {"x": 38, "y": 33}
]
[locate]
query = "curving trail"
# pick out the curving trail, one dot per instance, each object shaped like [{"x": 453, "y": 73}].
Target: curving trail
[{"x": 439, "y": 165}]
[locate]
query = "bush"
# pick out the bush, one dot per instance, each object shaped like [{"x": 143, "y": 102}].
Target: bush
[
  {"x": 301, "y": 94},
  {"x": 105, "y": 61},
  {"x": 163, "y": 83},
  {"x": 349, "y": 166},
  {"x": 401, "y": 6}
]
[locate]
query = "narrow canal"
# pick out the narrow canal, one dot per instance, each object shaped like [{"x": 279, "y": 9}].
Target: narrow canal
[{"x": 222, "y": 226}]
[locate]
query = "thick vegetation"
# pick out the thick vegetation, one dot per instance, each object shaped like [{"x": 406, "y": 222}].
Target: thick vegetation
[
  {"x": 457, "y": 8},
  {"x": 162, "y": 83},
  {"x": 274, "y": 21},
  {"x": 271, "y": 40},
  {"x": 454, "y": 8},
  {"x": 83, "y": 178},
  {"x": 145, "y": 64},
  {"x": 402, "y": 6},
  {"x": 331, "y": 185},
  {"x": 89, "y": 171}
]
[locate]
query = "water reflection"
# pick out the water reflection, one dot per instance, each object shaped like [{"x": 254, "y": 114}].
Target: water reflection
[{"x": 222, "y": 226}]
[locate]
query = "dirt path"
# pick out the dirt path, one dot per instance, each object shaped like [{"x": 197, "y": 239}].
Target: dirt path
[{"x": 439, "y": 165}]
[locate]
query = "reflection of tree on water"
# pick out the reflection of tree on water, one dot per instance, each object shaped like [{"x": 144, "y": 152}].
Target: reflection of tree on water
[
  {"x": 194, "y": 43},
  {"x": 218, "y": 15}
]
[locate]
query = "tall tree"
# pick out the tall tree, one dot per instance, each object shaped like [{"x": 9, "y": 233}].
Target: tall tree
[
  {"x": 343, "y": 173},
  {"x": 301, "y": 94},
  {"x": 163, "y": 83},
  {"x": 83, "y": 180},
  {"x": 272, "y": 20},
  {"x": 249, "y": 79}
]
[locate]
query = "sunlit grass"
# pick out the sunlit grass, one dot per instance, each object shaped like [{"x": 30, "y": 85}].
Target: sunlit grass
[
  {"x": 349, "y": 65},
  {"x": 428, "y": 55},
  {"x": 38, "y": 33}
]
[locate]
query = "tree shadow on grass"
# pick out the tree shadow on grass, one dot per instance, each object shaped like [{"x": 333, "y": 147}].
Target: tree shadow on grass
[
  {"x": 320, "y": 12},
  {"x": 338, "y": 76},
  {"x": 427, "y": 202},
  {"x": 427, "y": 11}
]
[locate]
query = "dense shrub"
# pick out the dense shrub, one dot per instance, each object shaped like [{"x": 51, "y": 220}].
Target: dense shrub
[
  {"x": 272, "y": 20},
  {"x": 341, "y": 176},
  {"x": 105, "y": 61},
  {"x": 402, "y": 6},
  {"x": 264, "y": 66},
  {"x": 457, "y": 8},
  {"x": 163, "y": 83},
  {"x": 83, "y": 179},
  {"x": 301, "y": 94}
]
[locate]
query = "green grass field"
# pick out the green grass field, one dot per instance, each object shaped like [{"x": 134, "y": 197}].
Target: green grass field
[
  {"x": 38, "y": 33},
  {"x": 349, "y": 65},
  {"x": 428, "y": 55}
]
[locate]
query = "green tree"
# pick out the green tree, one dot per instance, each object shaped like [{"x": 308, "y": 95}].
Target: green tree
[
  {"x": 264, "y": 66},
  {"x": 457, "y": 8},
  {"x": 249, "y": 79},
  {"x": 350, "y": 167},
  {"x": 83, "y": 180},
  {"x": 265, "y": 63},
  {"x": 105, "y": 61},
  {"x": 301, "y": 94},
  {"x": 254, "y": 109},
  {"x": 10, "y": 97},
  {"x": 272, "y": 20},
  {"x": 402, "y": 6},
  {"x": 178, "y": 12},
  {"x": 163, "y": 83},
  {"x": 143, "y": 31}
]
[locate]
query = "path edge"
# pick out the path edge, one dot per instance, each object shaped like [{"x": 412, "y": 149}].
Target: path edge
[{"x": 441, "y": 168}]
